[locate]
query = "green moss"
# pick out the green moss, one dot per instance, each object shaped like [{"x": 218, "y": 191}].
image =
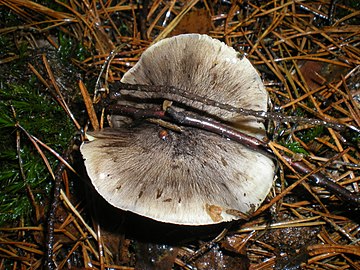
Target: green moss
[
  {"x": 296, "y": 148},
  {"x": 36, "y": 111},
  {"x": 43, "y": 118},
  {"x": 310, "y": 134},
  {"x": 71, "y": 48}
]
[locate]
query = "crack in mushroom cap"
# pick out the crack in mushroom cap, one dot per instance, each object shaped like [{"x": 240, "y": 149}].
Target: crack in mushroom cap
[{"x": 194, "y": 177}]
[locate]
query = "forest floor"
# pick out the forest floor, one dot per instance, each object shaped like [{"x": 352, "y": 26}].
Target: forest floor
[{"x": 52, "y": 58}]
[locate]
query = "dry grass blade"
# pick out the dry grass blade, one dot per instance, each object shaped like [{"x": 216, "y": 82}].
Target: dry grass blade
[
  {"x": 35, "y": 7},
  {"x": 89, "y": 106},
  {"x": 189, "y": 5},
  {"x": 59, "y": 96},
  {"x": 335, "y": 249},
  {"x": 41, "y": 153}
]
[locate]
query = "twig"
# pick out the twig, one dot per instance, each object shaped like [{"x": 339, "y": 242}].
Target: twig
[
  {"x": 257, "y": 145},
  {"x": 136, "y": 113},
  {"x": 320, "y": 179},
  {"x": 194, "y": 120},
  {"x": 142, "y": 18},
  {"x": 182, "y": 96},
  {"x": 209, "y": 245},
  {"x": 221, "y": 129},
  {"x": 50, "y": 237},
  {"x": 331, "y": 11}
]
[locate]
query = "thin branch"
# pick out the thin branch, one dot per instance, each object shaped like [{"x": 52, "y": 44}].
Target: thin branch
[
  {"x": 182, "y": 96},
  {"x": 50, "y": 236},
  {"x": 194, "y": 120},
  {"x": 321, "y": 180},
  {"x": 220, "y": 129}
]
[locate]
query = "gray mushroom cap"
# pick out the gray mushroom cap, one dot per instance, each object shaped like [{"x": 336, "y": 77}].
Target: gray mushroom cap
[{"x": 194, "y": 177}]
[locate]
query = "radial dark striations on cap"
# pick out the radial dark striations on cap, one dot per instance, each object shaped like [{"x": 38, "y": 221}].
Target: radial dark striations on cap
[{"x": 194, "y": 177}]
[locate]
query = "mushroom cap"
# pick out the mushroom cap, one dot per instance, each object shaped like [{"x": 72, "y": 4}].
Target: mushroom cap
[
  {"x": 209, "y": 68},
  {"x": 194, "y": 177}
]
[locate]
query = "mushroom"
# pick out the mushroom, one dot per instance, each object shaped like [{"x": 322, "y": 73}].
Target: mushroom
[{"x": 194, "y": 177}]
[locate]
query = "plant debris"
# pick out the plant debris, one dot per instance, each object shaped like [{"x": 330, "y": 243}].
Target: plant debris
[{"x": 52, "y": 53}]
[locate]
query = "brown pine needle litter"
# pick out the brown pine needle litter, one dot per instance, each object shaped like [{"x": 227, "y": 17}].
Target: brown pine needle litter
[{"x": 308, "y": 55}]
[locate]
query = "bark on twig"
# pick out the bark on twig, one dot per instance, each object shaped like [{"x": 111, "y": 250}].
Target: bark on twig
[
  {"x": 194, "y": 120},
  {"x": 49, "y": 263},
  {"x": 182, "y": 96}
]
